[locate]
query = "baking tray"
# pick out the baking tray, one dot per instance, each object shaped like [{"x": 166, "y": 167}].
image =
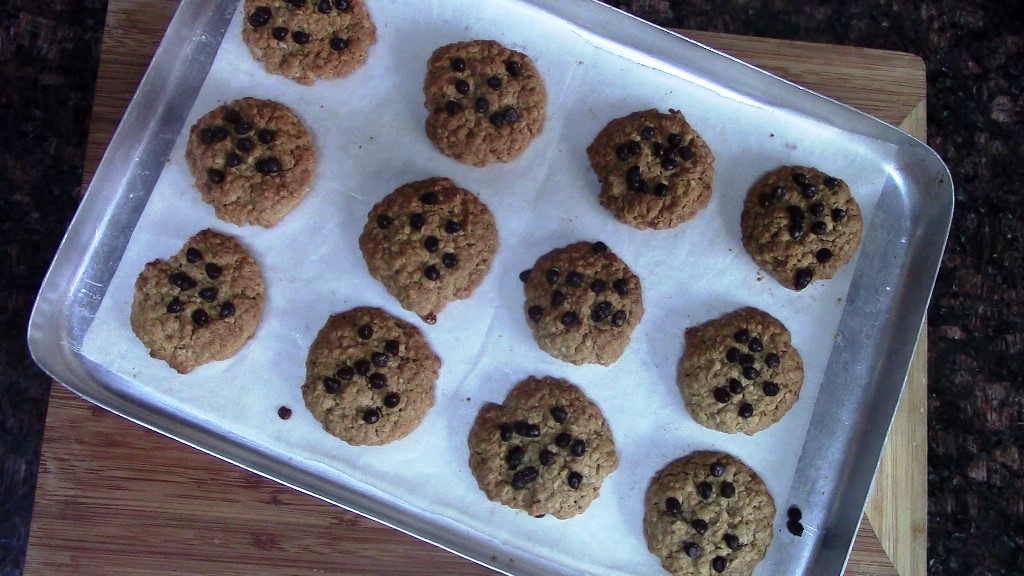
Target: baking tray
[{"x": 877, "y": 329}]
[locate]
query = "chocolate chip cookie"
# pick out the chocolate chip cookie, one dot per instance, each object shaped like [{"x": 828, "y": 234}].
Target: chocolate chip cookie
[
  {"x": 308, "y": 40},
  {"x": 582, "y": 303},
  {"x": 429, "y": 243},
  {"x": 655, "y": 170},
  {"x": 708, "y": 513},
  {"x": 252, "y": 160},
  {"x": 740, "y": 372},
  {"x": 201, "y": 305},
  {"x": 369, "y": 377},
  {"x": 485, "y": 103},
  {"x": 546, "y": 450},
  {"x": 800, "y": 225}
]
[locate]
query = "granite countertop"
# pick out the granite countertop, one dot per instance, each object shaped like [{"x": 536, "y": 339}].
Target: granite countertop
[{"x": 974, "y": 53}]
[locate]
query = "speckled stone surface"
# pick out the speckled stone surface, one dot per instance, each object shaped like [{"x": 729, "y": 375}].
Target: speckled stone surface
[{"x": 974, "y": 52}]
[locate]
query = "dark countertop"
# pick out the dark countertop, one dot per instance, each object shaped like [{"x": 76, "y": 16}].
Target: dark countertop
[{"x": 974, "y": 52}]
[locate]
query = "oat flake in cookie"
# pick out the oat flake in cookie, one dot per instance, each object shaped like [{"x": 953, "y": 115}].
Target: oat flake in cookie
[
  {"x": 706, "y": 514},
  {"x": 201, "y": 305},
  {"x": 485, "y": 103},
  {"x": 740, "y": 372},
  {"x": 582, "y": 303},
  {"x": 252, "y": 160},
  {"x": 800, "y": 225},
  {"x": 369, "y": 377},
  {"x": 655, "y": 169},
  {"x": 308, "y": 40},
  {"x": 429, "y": 243},
  {"x": 546, "y": 450}
]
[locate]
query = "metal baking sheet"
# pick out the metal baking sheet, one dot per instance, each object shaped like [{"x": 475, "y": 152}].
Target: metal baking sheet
[{"x": 875, "y": 323}]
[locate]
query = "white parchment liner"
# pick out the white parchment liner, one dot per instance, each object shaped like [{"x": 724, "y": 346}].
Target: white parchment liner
[{"x": 368, "y": 128}]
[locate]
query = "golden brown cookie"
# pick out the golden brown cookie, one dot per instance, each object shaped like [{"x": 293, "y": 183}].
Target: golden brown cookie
[
  {"x": 485, "y": 103},
  {"x": 201, "y": 305},
  {"x": 546, "y": 449},
  {"x": 655, "y": 170},
  {"x": 800, "y": 225}
]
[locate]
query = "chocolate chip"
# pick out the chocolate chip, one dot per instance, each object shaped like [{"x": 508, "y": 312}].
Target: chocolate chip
[
  {"x": 497, "y": 119},
  {"x": 324, "y": 7},
  {"x": 673, "y": 505},
  {"x": 494, "y": 82},
  {"x": 206, "y": 136},
  {"x": 746, "y": 360},
  {"x": 371, "y": 416},
  {"x": 598, "y": 286},
  {"x": 770, "y": 388},
  {"x": 648, "y": 133},
  {"x": 574, "y": 279},
  {"x": 429, "y": 198},
  {"x": 175, "y": 306},
  {"x": 392, "y": 400},
  {"x": 621, "y": 286},
  {"x": 634, "y": 180},
  {"x": 686, "y": 153},
  {"x": 795, "y": 528},
  {"x": 362, "y": 366},
  {"x": 547, "y": 457},
  {"x": 578, "y": 448},
  {"x": 719, "y": 564},
  {"x": 570, "y": 318},
  {"x": 742, "y": 336},
  {"x": 452, "y": 227},
  {"x": 817, "y": 209},
  {"x": 297, "y": 3},
  {"x": 462, "y": 87},
  {"x": 751, "y": 373},
  {"x": 722, "y": 395},
  {"x": 619, "y": 318},
  {"x": 245, "y": 145},
  {"x": 431, "y": 244},
  {"x": 511, "y": 115},
  {"x": 601, "y": 311},
  {"x": 338, "y": 44},
  {"x": 660, "y": 189},
  {"x": 735, "y": 386},
  {"x": 345, "y": 373},
  {"x": 284, "y": 412},
  {"x": 796, "y": 231},
  {"x": 746, "y": 410},
  {"x": 824, "y": 255},
  {"x": 831, "y": 183},
  {"x": 213, "y": 271},
  {"x": 182, "y": 281},
  {"x": 524, "y": 477},
  {"x": 727, "y": 489},
  {"x": 669, "y": 164},
  {"x": 764, "y": 200},
  {"x": 365, "y": 332},
  {"x": 432, "y": 273},
  {"x": 558, "y": 414},
  {"x": 732, "y": 355},
  {"x": 379, "y": 359},
  {"x": 838, "y": 214},
  {"x": 557, "y": 299},
  {"x": 391, "y": 347},
  {"x": 718, "y": 469},
  {"x": 622, "y": 152},
  {"x": 505, "y": 431},
  {"x": 524, "y": 275},
  {"x": 384, "y": 221},
  {"x": 227, "y": 310},
  {"x": 552, "y": 276},
  {"x": 803, "y": 278},
  {"x": 457, "y": 64},
  {"x": 514, "y": 68},
  {"x": 819, "y": 228},
  {"x": 779, "y": 192},
  {"x": 342, "y": 5},
  {"x": 535, "y": 312},
  {"x": 705, "y": 490},
  {"x": 243, "y": 127},
  {"x": 300, "y": 37},
  {"x": 232, "y": 160},
  {"x": 220, "y": 134},
  {"x": 810, "y": 191},
  {"x": 526, "y": 429},
  {"x": 633, "y": 147},
  {"x": 755, "y": 345},
  {"x": 732, "y": 541},
  {"x": 265, "y": 136},
  {"x": 699, "y": 525},
  {"x": 231, "y": 116},
  {"x": 574, "y": 480},
  {"x": 193, "y": 255},
  {"x": 482, "y": 105},
  {"x": 260, "y": 17},
  {"x": 563, "y": 439},
  {"x": 799, "y": 178},
  {"x": 796, "y": 214},
  {"x": 450, "y": 260},
  {"x": 772, "y": 360},
  {"x": 200, "y": 318},
  {"x": 693, "y": 550},
  {"x": 268, "y": 166},
  {"x": 331, "y": 386},
  {"x": 416, "y": 221},
  {"x": 209, "y": 293},
  {"x": 452, "y": 107},
  {"x": 378, "y": 380},
  {"x": 215, "y": 176},
  {"x": 794, "y": 513}
]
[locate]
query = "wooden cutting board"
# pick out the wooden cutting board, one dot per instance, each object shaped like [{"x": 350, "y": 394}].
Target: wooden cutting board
[{"x": 114, "y": 498}]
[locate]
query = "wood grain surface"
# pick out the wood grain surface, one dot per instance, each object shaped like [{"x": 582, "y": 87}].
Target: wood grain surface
[{"x": 114, "y": 498}]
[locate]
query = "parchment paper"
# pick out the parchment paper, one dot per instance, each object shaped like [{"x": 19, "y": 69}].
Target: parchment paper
[{"x": 368, "y": 128}]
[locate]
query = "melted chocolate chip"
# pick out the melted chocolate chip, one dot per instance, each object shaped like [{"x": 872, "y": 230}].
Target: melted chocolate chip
[
  {"x": 558, "y": 414},
  {"x": 182, "y": 281},
  {"x": 231, "y": 116},
  {"x": 838, "y": 214},
  {"x": 345, "y": 373},
  {"x": 342, "y": 5},
  {"x": 721, "y": 394},
  {"x": 279, "y": 33},
  {"x": 673, "y": 505},
  {"x": 416, "y": 221},
  {"x": 365, "y": 332},
  {"x": 756, "y": 345},
  {"x": 803, "y": 278},
  {"x": 432, "y": 273},
  {"x": 391, "y": 347},
  {"x": 338, "y": 44},
  {"x": 619, "y": 318},
  {"x": 621, "y": 286},
  {"x": 220, "y": 134},
  {"x": 497, "y": 119},
  {"x": 770, "y": 388},
  {"x": 457, "y": 64},
  {"x": 735, "y": 386},
  {"x": 268, "y": 166},
  {"x": 297, "y": 3},
  {"x": 200, "y": 318},
  {"x": 574, "y": 279},
  {"x": 574, "y": 480},
  {"x": 557, "y": 299},
  {"x": 824, "y": 255},
  {"x": 727, "y": 489},
  {"x": 209, "y": 293},
  {"x": 514, "y": 68},
  {"x": 429, "y": 198},
  {"x": 265, "y": 136},
  {"x": 746, "y": 410},
  {"x": 324, "y": 6},
  {"x": 705, "y": 490},
  {"x": 452, "y": 107},
  {"x": 648, "y": 133},
  {"x": 578, "y": 448},
  {"x": 378, "y": 380},
  {"x": 379, "y": 359},
  {"x": 462, "y": 87},
  {"x": 431, "y": 244},
  {"x": 601, "y": 311},
  {"x": 796, "y": 232},
  {"x": 494, "y": 82},
  {"x": 175, "y": 306},
  {"x": 732, "y": 355},
  {"x": 505, "y": 431},
  {"x": 719, "y": 564},
  {"x": 634, "y": 180},
  {"x": 547, "y": 457},
  {"x": 384, "y": 221},
  {"x": 598, "y": 286},
  {"x": 718, "y": 469},
  {"x": 227, "y": 310},
  {"x": 524, "y": 477},
  {"x": 301, "y": 37},
  {"x": 796, "y": 215},
  {"x": 660, "y": 189},
  {"x": 570, "y": 318},
  {"x": 535, "y": 312},
  {"x": 746, "y": 360},
  {"x": 362, "y": 366},
  {"x": 732, "y": 541},
  {"x": 526, "y": 429},
  {"x": 693, "y": 550},
  {"x": 482, "y": 105},
  {"x": 699, "y": 525},
  {"x": 450, "y": 260},
  {"x": 331, "y": 386},
  {"x": 563, "y": 439},
  {"x": 552, "y": 276},
  {"x": 260, "y": 17},
  {"x": 371, "y": 416},
  {"x": 284, "y": 412},
  {"x": 392, "y": 400},
  {"x": 206, "y": 136},
  {"x": 772, "y": 360},
  {"x": 819, "y": 228},
  {"x": 215, "y": 176}
]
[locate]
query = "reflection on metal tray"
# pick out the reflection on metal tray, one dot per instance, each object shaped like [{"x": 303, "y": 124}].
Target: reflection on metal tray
[{"x": 882, "y": 315}]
